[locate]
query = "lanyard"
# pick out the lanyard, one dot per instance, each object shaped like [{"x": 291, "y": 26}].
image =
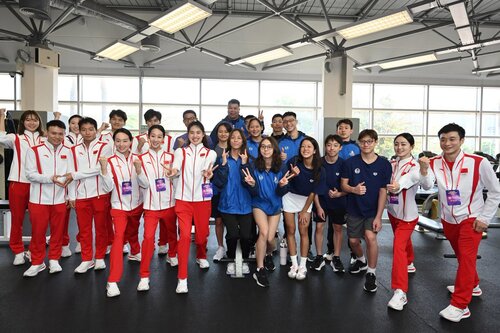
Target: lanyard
[
  {"x": 129, "y": 167},
  {"x": 405, "y": 168},
  {"x": 445, "y": 165},
  {"x": 157, "y": 161}
]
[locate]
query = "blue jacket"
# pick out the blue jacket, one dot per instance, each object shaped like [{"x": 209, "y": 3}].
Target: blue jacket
[
  {"x": 238, "y": 123},
  {"x": 252, "y": 148},
  {"x": 234, "y": 195},
  {"x": 291, "y": 146},
  {"x": 349, "y": 149}
]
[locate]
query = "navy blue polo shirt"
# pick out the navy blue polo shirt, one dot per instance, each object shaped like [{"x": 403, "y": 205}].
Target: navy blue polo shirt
[
  {"x": 375, "y": 175},
  {"x": 304, "y": 184},
  {"x": 332, "y": 172}
]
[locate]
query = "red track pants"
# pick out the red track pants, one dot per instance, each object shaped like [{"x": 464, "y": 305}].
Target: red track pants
[
  {"x": 187, "y": 212},
  {"x": 167, "y": 220},
  {"x": 465, "y": 242},
  {"x": 19, "y": 195},
  {"x": 402, "y": 251},
  {"x": 41, "y": 216}
]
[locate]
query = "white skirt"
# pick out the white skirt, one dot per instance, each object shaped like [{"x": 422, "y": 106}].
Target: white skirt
[{"x": 294, "y": 203}]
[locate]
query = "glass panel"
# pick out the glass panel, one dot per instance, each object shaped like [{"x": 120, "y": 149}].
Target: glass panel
[
  {"x": 364, "y": 118},
  {"x": 439, "y": 119},
  {"x": 110, "y": 89},
  {"x": 395, "y": 122},
  {"x": 100, "y": 112},
  {"x": 7, "y": 86},
  {"x": 67, "y": 88},
  {"x": 491, "y": 124},
  {"x": 211, "y": 115},
  {"x": 171, "y": 115},
  {"x": 385, "y": 146},
  {"x": 469, "y": 145},
  {"x": 392, "y": 96},
  {"x": 288, "y": 93},
  {"x": 361, "y": 95},
  {"x": 171, "y": 90},
  {"x": 454, "y": 98},
  {"x": 221, "y": 91},
  {"x": 8, "y": 105},
  {"x": 491, "y": 99},
  {"x": 68, "y": 109},
  {"x": 320, "y": 94},
  {"x": 490, "y": 146}
]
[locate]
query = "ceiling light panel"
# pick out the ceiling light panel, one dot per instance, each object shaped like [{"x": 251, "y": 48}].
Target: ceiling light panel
[
  {"x": 269, "y": 55},
  {"x": 409, "y": 61},
  {"x": 181, "y": 17},
  {"x": 118, "y": 50}
]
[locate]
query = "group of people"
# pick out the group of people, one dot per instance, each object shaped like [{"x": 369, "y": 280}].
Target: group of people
[{"x": 246, "y": 181}]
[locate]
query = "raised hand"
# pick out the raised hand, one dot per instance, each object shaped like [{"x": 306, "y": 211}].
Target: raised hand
[
  {"x": 209, "y": 172},
  {"x": 283, "y": 155},
  {"x": 104, "y": 126},
  {"x": 294, "y": 170},
  {"x": 180, "y": 142},
  {"x": 261, "y": 115},
  {"x": 224, "y": 156},
  {"x": 359, "y": 189},
  {"x": 2, "y": 113},
  {"x": 169, "y": 171},
  {"x": 393, "y": 187},
  {"x": 244, "y": 157},
  {"x": 424, "y": 163},
  {"x": 248, "y": 177},
  {"x": 103, "y": 161},
  {"x": 284, "y": 181},
  {"x": 141, "y": 143},
  {"x": 137, "y": 165},
  {"x": 57, "y": 115}
]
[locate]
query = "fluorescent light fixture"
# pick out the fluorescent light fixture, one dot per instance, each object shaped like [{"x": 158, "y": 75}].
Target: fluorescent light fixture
[
  {"x": 298, "y": 44},
  {"x": 118, "y": 50},
  {"x": 367, "y": 65},
  {"x": 408, "y": 61},
  {"x": 263, "y": 56},
  {"x": 370, "y": 26},
  {"x": 486, "y": 70},
  {"x": 181, "y": 16}
]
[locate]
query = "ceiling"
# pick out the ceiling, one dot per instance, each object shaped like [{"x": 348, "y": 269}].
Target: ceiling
[{"x": 237, "y": 28}]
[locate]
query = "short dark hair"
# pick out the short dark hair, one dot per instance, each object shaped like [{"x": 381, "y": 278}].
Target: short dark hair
[
  {"x": 333, "y": 137},
  {"x": 345, "y": 121},
  {"x": 118, "y": 113},
  {"x": 73, "y": 117},
  {"x": 150, "y": 114},
  {"x": 56, "y": 123},
  {"x": 188, "y": 112},
  {"x": 290, "y": 114},
  {"x": 158, "y": 127},
  {"x": 277, "y": 115},
  {"x": 408, "y": 137},
  {"x": 452, "y": 127},
  {"x": 233, "y": 101},
  {"x": 368, "y": 132},
  {"x": 250, "y": 116},
  {"x": 87, "y": 120},
  {"x": 124, "y": 131}
]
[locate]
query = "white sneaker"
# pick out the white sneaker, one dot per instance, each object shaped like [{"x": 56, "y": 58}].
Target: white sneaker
[
  {"x": 301, "y": 273},
  {"x": 99, "y": 264},
  {"x": 47, "y": 240},
  {"x": 135, "y": 257},
  {"x": 411, "y": 268},
  {"x": 162, "y": 249},
  {"x": 182, "y": 286},
  {"x": 78, "y": 248},
  {"x": 54, "y": 266},
  {"x": 84, "y": 267},
  {"x": 231, "y": 268},
  {"x": 34, "y": 270},
  {"x": 203, "y": 263},
  {"x": 66, "y": 252},
  {"x": 245, "y": 269},
  {"x": 454, "y": 314},
  {"x": 292, "y": 273},
  {"x": 219, "y": 254},
  {"x": 172, "y": 261},
  {"x": 27, "y": 254},
  {"x": 143, "y": 284},
  {"x": 19, "y": 259},
  {"x": 476, "y": 292},
  {"x": 398, "y": 300},
  {"x": 108, "y": 249},
  {"x": 112, "y": 289},
  {"x": 126, "y": 249}
]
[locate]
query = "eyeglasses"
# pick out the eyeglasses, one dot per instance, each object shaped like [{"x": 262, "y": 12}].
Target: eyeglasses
[
  {"x": 366, "y": 142},
  {"x": 264, "y": 147}
]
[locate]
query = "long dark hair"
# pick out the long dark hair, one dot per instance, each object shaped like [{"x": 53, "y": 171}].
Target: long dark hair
[
  {"x": 243, "y": 140},
  {"x": 260, "y": 163},
  {"x": 24, "y": 116},
  {"x": 200, "y": 126},
  {"x": 316, "y": 159}
]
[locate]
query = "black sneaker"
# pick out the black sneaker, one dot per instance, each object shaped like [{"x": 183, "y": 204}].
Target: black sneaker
[
  {"x": 357, "y": 267},
  {"x": 318, "y": 263},
  {"x": 310, "y": 256},
  {"x": 260, "y": 277},
  {"x": 353, "y": 258},
  {"x": 337, "y": 265},
  {"x": 328, "y": 256},
  {"x": 370, "y": 283},
  {"x": 269, "y": 263}
]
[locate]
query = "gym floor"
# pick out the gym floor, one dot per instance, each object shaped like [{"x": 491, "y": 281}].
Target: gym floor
[{"x": 324, "y": 302}]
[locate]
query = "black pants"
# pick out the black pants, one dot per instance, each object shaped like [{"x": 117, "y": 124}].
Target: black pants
[{"x": 238, "y": 227}]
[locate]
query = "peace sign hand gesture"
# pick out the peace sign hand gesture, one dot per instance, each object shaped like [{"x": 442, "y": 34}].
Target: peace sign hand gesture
[
  {"x": 169, "y": 171},
  {"x": 209, "y": 173},
  {"x": 244, "y": 157},
  {"x": 248, "y": 177},
  {"x": 224, "y": 156},
  {"x": 261, "y": 115},
  {"x": 294, "y": 170},
  {"x": 284, "y": 181}
]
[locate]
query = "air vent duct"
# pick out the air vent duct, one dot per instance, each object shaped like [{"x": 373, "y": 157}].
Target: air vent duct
[
  {"x": 151, "y": 43},
  {"x": 37, "y": 9}
]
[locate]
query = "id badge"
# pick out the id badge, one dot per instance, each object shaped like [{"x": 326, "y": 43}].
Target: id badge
[
  {"x": 393, "y": 199},
  {"x": 161, "y": 185},
  {"x": 126, "y": 188},
  {"x": 207, "y": 190},
  {"x": 453, "y": 197}
]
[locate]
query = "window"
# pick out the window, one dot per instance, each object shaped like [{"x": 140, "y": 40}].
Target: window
[
  {"x": 491, "y": 99},
  {"x": 385, "y": 146},
  {"x": 171, "y": 115},
  {"x": 391, "y": 96},
  {"x": 110, "y": 89},
  {"x": 454, "y": 98},
  {"x": 362, "y": 95},
  {"x": 100, "y": 112},
  {"x": 171, "y": 90},
  {"x": 395, "y": 122},
  {"x": 216, "y": 92},
  {"x": 286, "y": 93},
  {"x": 364, "y": 118}
]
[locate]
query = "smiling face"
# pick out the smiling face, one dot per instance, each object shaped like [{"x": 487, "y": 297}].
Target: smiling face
[
  {"x": 266, "y": 149},
  {"x": 88, "y": 132},
  {"x": 277, "y": 125},
  {"x": 195, "y": 135},
  {"x": 367, "y": 144},
  {"x": 254, "y": 128},
  {"x": 122, "y": 143},
  {"x": 73, "y": 125},
  {"x": 332, "y": 148},
  {"x": 55, "y": 135},
  {"x": 402, "y": 148},
  {"x": 31, "y": 123},
  {"x": 289, "y": 123},
  {"x": 152, "y": 121},
  {"x": 450, "y": 143},
  {"x": 222, "y": 134},
  {"x": 233, "y": 111},
  {"x": 307, "y": 149},
  {"x": 155, "y": 139},
  {"x": 116, "y": 123}
]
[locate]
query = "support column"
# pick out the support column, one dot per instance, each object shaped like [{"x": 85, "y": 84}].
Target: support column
[{"x": 39, "y": 90}]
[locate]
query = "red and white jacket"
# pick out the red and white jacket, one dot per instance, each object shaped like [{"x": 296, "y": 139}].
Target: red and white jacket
[
  {"x": 72, "y": 139},
  {"x": 42, "y": 163},
  {"x": 167, "y": 143},
  {"x": 191, "y": 161},
  {"x": 21, "y": 144},
  {"x": 152, "y": 170},
  {"x": 407, "y": 173},
  {"x": 86, "y": 182},
  {"x": 108, "y": 138},
  {"x": 120, "y": 170},
  {"x": 470, "y": 175}
]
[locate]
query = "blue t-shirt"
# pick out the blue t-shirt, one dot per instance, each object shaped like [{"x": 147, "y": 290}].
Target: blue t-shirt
[
  {"x": 291, "y": 146},
  {"x": 375, "y": 175},
  {"x": 349, "y": 149},
  {"x": 332, "y": 172},
  {"x": 304, "y": 183},
  {"x": 234, "y": 196}
]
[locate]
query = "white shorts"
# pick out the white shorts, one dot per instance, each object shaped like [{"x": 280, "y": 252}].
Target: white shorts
[{"x": 294, "y": 203}]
